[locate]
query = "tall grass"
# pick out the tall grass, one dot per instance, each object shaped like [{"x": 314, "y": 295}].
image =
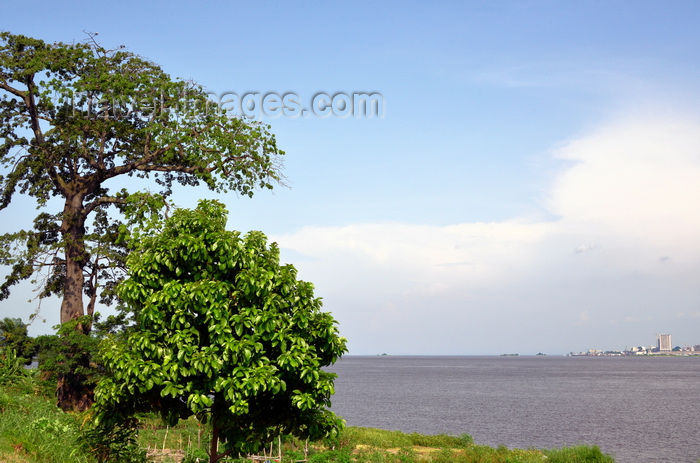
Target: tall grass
[{"x": 33, "y": 429}]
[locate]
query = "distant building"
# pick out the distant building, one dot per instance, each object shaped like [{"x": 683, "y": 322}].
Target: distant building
[{"x": 664, "y": 343}]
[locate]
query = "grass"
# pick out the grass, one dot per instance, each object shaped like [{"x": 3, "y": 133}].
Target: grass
[
  {"x": 382, "y": 439},
  {"x": 34, "y": 430},
  {"x": 379, "y": 446}
]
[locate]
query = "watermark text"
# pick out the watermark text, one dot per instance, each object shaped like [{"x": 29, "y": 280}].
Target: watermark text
[{"x": 252, "y": 105}]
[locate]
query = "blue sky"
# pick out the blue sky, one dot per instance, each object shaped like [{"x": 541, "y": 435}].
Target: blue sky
[{"x": 532, "y": 185}]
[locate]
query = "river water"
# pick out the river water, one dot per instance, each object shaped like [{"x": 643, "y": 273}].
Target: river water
[{"x": 637, "y": 409}]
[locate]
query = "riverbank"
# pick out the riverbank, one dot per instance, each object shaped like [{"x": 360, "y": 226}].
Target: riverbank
[{"x": 33, "y": 430}]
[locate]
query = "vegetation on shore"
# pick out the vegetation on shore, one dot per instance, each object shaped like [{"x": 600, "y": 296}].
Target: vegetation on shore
[{"x": 34, "y": 430}]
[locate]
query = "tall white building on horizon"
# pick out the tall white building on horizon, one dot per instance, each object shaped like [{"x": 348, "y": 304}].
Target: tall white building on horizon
[{"x": 664, "y": 342}]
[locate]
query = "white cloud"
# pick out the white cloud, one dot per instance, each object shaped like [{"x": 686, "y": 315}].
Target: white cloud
[
  {"x": 476, "y": 253},
  {"x": 624, "y": 245},
  {"x": 636, "y": 181}
]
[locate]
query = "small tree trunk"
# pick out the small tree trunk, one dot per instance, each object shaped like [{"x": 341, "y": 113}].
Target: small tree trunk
[
  {"x": 214, "y": 448},
  {"x": 214, "y": 455}
]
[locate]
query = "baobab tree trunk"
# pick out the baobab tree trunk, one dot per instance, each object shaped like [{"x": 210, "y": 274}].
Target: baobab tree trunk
[
  {"x": 72, "y": 303},
  {"x": 72, "y": 391}
]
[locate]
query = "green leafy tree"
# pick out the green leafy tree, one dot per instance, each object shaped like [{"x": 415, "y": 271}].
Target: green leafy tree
[
  {"x": 76, "y": 118},
  {"x": 224, "y": 332},
  {"x": 14, "y": 335}
]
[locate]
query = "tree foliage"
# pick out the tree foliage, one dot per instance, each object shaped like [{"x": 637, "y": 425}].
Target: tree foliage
[
  {"x": 224, "y": 332},
  {"x": 75, "y": 116},
  {"x": 14, "y": 335},
  {"x": 78, "y": 119}
]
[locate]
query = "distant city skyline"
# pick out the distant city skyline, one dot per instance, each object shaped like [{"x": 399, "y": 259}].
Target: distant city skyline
[{"x": 663, "y": 346}]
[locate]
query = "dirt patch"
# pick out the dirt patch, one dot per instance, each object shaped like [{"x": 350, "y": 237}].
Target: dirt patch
[
  {"x": 165, "y": 455},
  {"x": 418, "y": 450}
]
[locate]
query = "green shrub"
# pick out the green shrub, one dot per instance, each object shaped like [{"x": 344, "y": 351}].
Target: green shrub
[
  {"x": 11, "y": 366},
  {"x": 331, "y": 456},
  {"x": 115, "y": 443},
  {"x": 578, "y": 454}
]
